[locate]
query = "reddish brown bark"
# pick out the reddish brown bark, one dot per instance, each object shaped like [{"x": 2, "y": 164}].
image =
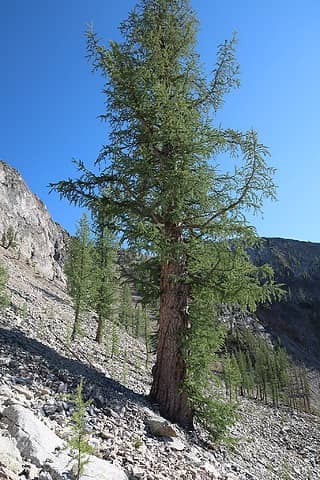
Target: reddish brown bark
[{"x": 169, "y": 370}]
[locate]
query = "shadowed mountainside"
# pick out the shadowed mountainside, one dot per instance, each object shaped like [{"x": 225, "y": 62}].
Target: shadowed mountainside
[{"x": 296, "y": 318}]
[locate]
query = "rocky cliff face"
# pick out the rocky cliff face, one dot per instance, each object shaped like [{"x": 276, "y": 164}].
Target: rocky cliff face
[
  {"x": 296, "y": 318},
  {"x": 40, "y": 241}
]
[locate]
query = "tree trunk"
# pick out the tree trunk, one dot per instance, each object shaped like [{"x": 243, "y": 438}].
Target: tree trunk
[
  {"x": 100, "y": 329},
  {"x": 170, "y": 370},
  {"x": 76, "y": 323}
]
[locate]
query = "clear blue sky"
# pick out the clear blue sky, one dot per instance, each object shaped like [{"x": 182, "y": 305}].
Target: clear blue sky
[{"x": 50, "y": 100}]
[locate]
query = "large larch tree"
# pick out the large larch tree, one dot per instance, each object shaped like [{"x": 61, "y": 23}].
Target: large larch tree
[{"x": 163, "y": 190}]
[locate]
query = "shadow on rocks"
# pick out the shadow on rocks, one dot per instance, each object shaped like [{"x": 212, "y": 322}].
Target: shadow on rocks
[{"x": 101, "y": 389}]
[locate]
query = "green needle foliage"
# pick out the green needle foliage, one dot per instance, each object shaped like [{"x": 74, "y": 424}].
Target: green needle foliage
[
  {"x": 255, "y": 368},
  {"x": 126, "y": 310},
  {"x": 104, "y": 274},
  {"x": 147, "y": 334},
  {"x": 78, "y": 270},
  {"x": 3, "y": 282},
  {"x": 114, "y": 340},
  {"x": 231, "y": 374},
  {"x": 167, "y": 196},
  {"x": 78, "y": 443},
  {"x": 139, "y": 320}
]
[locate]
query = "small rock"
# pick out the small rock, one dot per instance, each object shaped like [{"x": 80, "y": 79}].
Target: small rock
[
  {"x": 95, "y": 469},
  {"x": 106, "y": 435},
  {"x": 60, "y": 406},
  {"x": 111, "y": 413},
  {"x": 138, "y": 472},
  {"x": 5, "y": 360},
  {"x": 5, "y": 391},
  {"x": 98, "y": 469},
  {"x": 49, "y": 409},
  {"x": 23, "y": 380},
  {"x": 161, "y": 427},
  {"x": 99, "y": 401},
  {"x": 231, "y": 476},
  {"x": 175, "y": 444},
  {"x": 209, "y": 468},
  {"x": 6, "y": 474},
  {"x": 62, "y": 387},
  {"x": 23, "y": 391},
  {"x": 193, "y": 457},
  {"x": 44, "y": 391},
  {"x": 31, "y": 471},
  {"x": 45, "y": 476}
]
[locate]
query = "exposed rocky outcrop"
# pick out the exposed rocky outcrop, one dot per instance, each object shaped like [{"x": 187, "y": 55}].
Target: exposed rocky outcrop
[
  {"x": 40, "y": 241},
  {"x": 34, "y": 439}
]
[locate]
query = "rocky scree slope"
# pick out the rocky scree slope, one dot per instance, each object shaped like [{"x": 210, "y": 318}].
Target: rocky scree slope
[
  {"x": 40, "y": 241},
  {"x": 38, "y": 368}
]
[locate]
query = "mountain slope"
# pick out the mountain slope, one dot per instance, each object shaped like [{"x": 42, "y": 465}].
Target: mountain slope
[
  {"x": 38, "y": 366},
  {"x": 296, "y": 318}
]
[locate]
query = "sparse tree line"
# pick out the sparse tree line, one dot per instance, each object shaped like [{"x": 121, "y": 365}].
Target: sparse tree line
[
  {"x": 95, "y": 283},
  {"x": 251, "y": 366},
  {"x": 254, "y": 368}
]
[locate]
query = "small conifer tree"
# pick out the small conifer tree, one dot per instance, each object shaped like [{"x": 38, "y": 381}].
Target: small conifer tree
[
  {"x": 139, "y": 320},
  {"x": 78, "y": 443},
  {"x": 3, "y": 282},
  {"x": 126, "y": 312},
  {"x": 105, "y": 278},
  {"x": 147, "y": 335},
  {"x": 114, "y": 340},
  {"x": 79, "y": 272},
  {"x": 266, "y": 368},
  {"x": 232, "y": 375}
]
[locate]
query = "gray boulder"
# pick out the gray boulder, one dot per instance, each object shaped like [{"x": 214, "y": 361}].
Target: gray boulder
[
  {"x": 9, "y": 454},
  {"x": 61, "y": 465},
  {"x": 35, "y": 440},
  {"x": 98, "y": 469}
]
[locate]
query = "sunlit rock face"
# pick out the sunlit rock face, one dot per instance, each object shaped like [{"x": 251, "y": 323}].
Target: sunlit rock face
[{"x": 39, "y": 240}]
